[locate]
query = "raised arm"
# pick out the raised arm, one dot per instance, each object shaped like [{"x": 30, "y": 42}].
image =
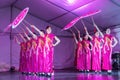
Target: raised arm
[
  {"x": 25, "y": 34},
  {"x": 74, "y": 36},
  {"x": 33, "y": 26},
  {"x": 80, "y": 39},
  {"x": 16, "y": 39},
  {"x": 34, "y": 36},
  {"x": 22, "y": 37},
  {"x": 86, "y": 31},
  {"x": 115, "y": 42},
  {"x": 97, "y": 27},
  {"x": 57, "y": 41}
]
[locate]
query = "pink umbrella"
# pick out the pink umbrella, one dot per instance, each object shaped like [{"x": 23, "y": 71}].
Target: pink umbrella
[
  {"x": 71, "y": 23},
  {"x": 74, "y": 21},
  {"x": 18, "y": 19},
  {"x": 90, "y": 14}
]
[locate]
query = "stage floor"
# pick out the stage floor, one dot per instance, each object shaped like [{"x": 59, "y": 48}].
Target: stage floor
[{"x": 62, "y": 75}]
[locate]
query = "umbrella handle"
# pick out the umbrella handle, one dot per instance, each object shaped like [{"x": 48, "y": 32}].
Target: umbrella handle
[
  {"x": 27, "y": 22},
  {"x": 82, "y": 22},
  {"x": 76, "y": 28},
  {"x": 24, "y": 25},
  {"x": 93, "y": 20},
  {"x": 71, "y": 31}
]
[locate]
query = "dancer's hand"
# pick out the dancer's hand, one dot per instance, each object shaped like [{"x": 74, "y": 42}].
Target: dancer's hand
[
  {"x": 54, "y": 45},
  {"x": 32, "y": 26}
]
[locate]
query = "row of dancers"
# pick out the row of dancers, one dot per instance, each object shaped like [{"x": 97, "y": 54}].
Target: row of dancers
[
  {"x": 94, "y": 52},
  {"x": 36, "y": 54}
]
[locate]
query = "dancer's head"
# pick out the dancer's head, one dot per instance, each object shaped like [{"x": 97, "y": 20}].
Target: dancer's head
[
  {"x": 108, "y": 31},
  {"x": 86, "y": 37},
  {"x": 48, "y": 29},
  {"x": 42, "y": 33},
  {"x": 26, "y": 38},
  {"x": 97, "y": 34}
]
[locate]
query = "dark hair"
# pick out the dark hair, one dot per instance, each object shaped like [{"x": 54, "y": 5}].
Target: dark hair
[
  {"x": 84, "y": 35},
  {"x": 47, "y": 27},
  {"x": 42, "y": 31}
]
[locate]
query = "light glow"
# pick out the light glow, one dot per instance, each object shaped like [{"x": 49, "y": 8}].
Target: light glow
[{"x": 70, "y": 1}]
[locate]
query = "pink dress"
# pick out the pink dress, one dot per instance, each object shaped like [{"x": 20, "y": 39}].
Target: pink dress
[
  {"x": 96, "y": 54},
  {"x": 107, "y": 53},
  {"x": 80, "y": 57},
  {"x": 34, "y": 53},
  {"x": 21, "y": 58},
  {"x": 22, "y": 63},
  {"x": 87, "y": 52},
  {"x": 49, "y": 52},
  {"x": 41, "y": 45},
  {"x": 29, "y": 56}
]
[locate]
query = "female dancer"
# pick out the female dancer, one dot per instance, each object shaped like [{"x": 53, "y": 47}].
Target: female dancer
[
  {"x": 22, "y": 63},
  {"x": 49, "y": 50},
  {"x": 34, "y": 43},
  {"x": 107, "y": 49},
  {"x": 96, "y": 51},
  {"x": 21, "y": 50},
  {"x": 28, "y": 52},
  {"x": 80, "y": 56},
  {"x": 41, "y": 45},
  {"x": 87, "y": 50}
]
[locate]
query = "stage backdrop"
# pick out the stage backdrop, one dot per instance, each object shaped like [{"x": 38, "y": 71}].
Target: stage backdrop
[
  {"x": 64, "y": 52},
  {"x": 4, "y": 40}
]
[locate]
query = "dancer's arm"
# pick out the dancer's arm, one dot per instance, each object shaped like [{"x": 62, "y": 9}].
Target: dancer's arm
[
  {"x": 97, "y": 27},
  {"x": 16, "y": 39},
  {"x": 57, "y": 41},
  {"x": 22, "y": 37},
  {"x": 98, "y": 30},
  {"x": 115, "y": 42},
  {"x": 86, "y": 30},
  {"x": 80, "y": 39},
  {"x": 25, "y": 34},
  {"x": 74, "y": 36},
  {"x": 33, "y": 26},
  {"x": 34, "y": 36},
  {"x": 88, "y": 33}
]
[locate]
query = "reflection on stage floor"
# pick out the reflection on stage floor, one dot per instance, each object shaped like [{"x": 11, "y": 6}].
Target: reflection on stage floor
[{"x": 62, "y": 75}]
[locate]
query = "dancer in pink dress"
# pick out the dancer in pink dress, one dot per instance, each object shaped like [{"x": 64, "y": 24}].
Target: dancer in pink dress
[
  {"x": 29, "y": 57},
  {"x": 107, "y": 50},
  {"x": 96, "y": 51},
  {"x": 28, "y": 53},
  {"x": 79, "y": 55},
  {"x": 34, "y": 53},
  {"x": 22, "y": 64},
  {"x": 21, "y": 53},
  {"x": 41, "y": 45},
  {"x": 49, "y": 50},
  {"x": 87, "y": 47}
]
